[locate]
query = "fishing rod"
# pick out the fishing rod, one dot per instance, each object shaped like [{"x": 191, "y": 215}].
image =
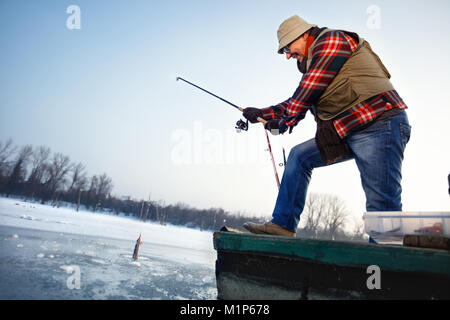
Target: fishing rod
[
  {"x": 241, "y": 125},
  {"x": 226, "y": 101}
]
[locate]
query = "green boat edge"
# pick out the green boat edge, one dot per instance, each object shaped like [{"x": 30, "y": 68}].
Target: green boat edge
[
  {"x": 412, "y": 266},
  {"x": 344, "y": 253}
]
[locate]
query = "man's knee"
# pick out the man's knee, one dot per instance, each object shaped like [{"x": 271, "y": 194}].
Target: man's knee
[{"x": 304, "y": 154}]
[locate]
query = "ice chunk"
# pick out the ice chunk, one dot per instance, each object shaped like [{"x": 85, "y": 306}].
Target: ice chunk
[
  {"x": 40, "y": 255},
  {"x": 29, "y": 218},
  {"x": 207, "y": 279},
  {"x": 99, "y": 261},
  {"x": 68, "y": 269}
]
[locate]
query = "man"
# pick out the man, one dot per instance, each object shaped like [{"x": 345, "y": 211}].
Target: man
[{"x": 359, "y": 116}]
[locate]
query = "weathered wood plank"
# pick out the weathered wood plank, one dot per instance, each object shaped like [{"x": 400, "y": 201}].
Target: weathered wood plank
[{"x": 426, "y": 241}]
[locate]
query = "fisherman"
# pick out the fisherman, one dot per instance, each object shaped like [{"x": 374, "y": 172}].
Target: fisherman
[{"x": 359, "y": 116}]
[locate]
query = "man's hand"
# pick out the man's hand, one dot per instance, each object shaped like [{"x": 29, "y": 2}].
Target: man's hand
[
  {"x": 273, "y": 124},
  {"x": 276, "y": 126},
  {"x": 252, "y": 114}
]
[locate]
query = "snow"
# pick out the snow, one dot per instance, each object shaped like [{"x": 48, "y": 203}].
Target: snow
[{"x": 45, "y": 250}]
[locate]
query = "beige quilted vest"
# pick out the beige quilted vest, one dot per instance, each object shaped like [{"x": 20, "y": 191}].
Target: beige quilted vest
[{"x": 361, "y": 77}]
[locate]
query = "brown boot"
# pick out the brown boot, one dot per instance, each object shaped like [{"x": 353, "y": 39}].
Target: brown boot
[{"x": 268, "y": 228}]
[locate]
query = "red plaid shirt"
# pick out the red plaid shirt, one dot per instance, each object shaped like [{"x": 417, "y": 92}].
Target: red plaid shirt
[{"x": 329, "y": 54}]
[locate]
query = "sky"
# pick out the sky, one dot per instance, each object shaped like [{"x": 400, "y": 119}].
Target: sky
[{"x": 99, "y": 85}]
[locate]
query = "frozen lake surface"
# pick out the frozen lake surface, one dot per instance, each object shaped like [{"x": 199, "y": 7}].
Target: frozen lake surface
[{"x": 58, "y": 253}]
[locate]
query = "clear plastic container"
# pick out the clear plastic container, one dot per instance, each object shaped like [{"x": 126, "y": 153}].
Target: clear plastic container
[{"x": 390, "y": 227}]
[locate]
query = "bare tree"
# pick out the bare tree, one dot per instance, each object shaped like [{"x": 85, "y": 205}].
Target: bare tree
[
  {"x": 335, "y": 216},
  {"x": 39, "y": 163},
  {"x": 323, "y": 216},
  {"x": 313, "y": 213},
  {"x": 92, "y": 192},
  {"x": 99, "y": 190},
  {"x": 39, "y": 167},
  {"x": 93, "y": 186},
  {"x": 6, "y": 151},
  {"x": 142, "y": 211},
  {"x": 58, "y": 168},
  {"x": 78, "y": 177},
  {"x": 104, "y": 187},
  {"x": 147, "y": 209},
  {"x": 18, "y": 175},
  {"x": 161, "y": 212},
  {"x": 358, "y": 230}
]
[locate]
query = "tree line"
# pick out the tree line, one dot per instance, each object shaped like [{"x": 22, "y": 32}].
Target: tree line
[
  {"x": 34, "y": 173},
  {"x": 37, "y": 174}
]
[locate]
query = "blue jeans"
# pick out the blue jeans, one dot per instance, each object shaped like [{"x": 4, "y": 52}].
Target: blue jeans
[{"x": 378, "y": 153}]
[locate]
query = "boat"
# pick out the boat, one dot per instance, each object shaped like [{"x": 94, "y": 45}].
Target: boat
[{"x": 264, "y": 267}]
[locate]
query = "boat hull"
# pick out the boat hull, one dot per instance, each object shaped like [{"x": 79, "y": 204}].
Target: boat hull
[{"x": 268, "y": 268}]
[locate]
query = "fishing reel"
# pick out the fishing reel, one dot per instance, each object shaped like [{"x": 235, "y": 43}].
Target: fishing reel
[{"x": 241, "y": 125}]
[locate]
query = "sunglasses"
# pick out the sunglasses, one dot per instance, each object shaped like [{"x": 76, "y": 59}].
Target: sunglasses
[{"x": 286, "y": 49}]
